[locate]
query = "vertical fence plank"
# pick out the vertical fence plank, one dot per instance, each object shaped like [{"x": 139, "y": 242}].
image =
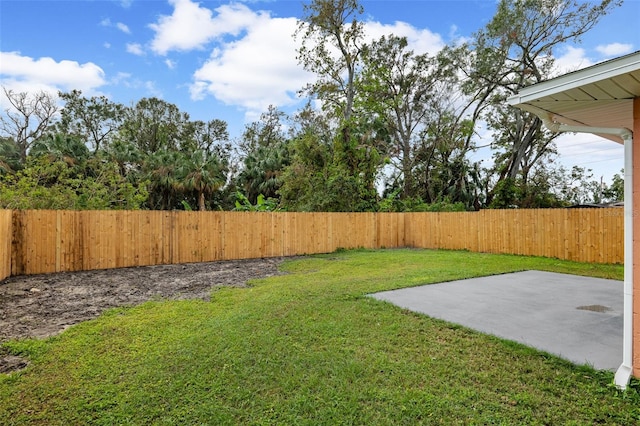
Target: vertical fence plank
[{"x": 6, "y": 236}]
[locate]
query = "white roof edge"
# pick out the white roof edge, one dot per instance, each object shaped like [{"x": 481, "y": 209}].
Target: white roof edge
[{"x": 592, "y": 74}]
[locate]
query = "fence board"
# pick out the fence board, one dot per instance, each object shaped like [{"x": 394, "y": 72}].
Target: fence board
[
  {"x": 42, "y": 241},
  {"x": 6, "y": 227}
]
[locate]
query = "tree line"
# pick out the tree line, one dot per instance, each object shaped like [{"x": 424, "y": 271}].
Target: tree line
[{"x": 396, "y": 130}]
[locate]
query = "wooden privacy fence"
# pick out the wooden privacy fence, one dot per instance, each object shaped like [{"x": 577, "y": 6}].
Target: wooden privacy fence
[{"x": 43, "y": 241}]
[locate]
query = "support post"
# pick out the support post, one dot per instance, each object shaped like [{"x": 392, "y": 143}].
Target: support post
[{"x": 623, "y": 374}]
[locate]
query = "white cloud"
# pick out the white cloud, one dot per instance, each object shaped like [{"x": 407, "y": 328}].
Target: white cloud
[
  {"x": 573, "y": 58},
  {"x": 23, "y": 73},
  {"x": 119, "y": 25},
  {"x": 255, "y": 71},
  {"x": 123, "y": 27},
  {"x": 420, "y": 40},
  {"x": 260, "y": 68},
  {"x": 135, "y": 49},
  {"x": 127, "y": 80},
  {"x": 192, "y": 26},
  {"x": 170, "y": 64},
  {"x": 614, "y": 49},
  {"x": 120, "y": 78}
]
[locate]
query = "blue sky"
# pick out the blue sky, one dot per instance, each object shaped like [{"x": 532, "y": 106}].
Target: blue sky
[{"x": 230, "y": 60}]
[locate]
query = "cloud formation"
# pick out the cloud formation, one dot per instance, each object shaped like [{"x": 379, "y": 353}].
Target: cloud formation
[
  {"x": 572, "y": 59},
  {"x": 614, "y": 49},
  {"x": 250, "y": 72},
  {"x": 192, "y": 26},
  {"x": 119, "y": 25},
  {"x": 256, "y": 66},
  {"x": 24, "y": 73},
  {"x": 135, "y": 49},
  {"x": 123, "y": 27}
]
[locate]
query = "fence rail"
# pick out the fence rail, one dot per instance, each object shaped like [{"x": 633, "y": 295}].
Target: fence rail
[{"x": 43, "y": 241}]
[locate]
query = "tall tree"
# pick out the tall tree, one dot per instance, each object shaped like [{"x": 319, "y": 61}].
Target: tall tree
[
  {"x": 399, "y": 88},
  {"x": 28, "y": 117},
  {"x": 332, "y": 38},
  {"x": 514, "y": 50},
  {"x": 162, "y": 170},
  {"x": 153, "y": 125},
  {"x": 210, "y": 136},
  {"x": 94, "y": 119},
  {"x": 265, "y": 148}
]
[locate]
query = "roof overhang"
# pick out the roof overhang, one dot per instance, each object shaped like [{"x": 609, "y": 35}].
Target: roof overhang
[{"x": 598, "y": 96}]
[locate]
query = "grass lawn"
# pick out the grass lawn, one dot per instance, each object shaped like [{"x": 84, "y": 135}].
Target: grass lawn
[{"x": 310, "y": 348}]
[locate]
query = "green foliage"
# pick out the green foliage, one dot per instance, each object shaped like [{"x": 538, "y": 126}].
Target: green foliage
[
  {"x": 94, "y": 119},
  {"x": 266, "y": 156},
  {"x": 615, "y": 192},
  {"x": 394, "y": 203},
  {"x": 505, "y": 195},
  {"x": 331, "y": 35},
  {"x": 337, "y": 177},
  {"x": 514, "y": 50},
  {"x": 10, "y": 160},
  {"x": 46, "y": 183},
  {"x": 262, "y": 204},
  {"x": 391, "y": 118}
]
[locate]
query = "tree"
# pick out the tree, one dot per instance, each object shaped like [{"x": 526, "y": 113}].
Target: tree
[
  {"x": 203, "y": 173},
  {"x": 93, "y": 119},
  {"x": 331, "y": 46},
  {"x": 332, "y": 38},
  {"x": 52, "y": 180},
  {"x": 154, "y": 125},
  {"x": 208, "y": 136},
  {"x": 10, "y": 160},
  {"x": 403, "y": 91},
  {"x": 126, "y": 156},
  {"x": 61, "y": 147},
  {"x": 330, "y": 174},
  {"x": 266, "y": 154},
  {"x": 311, "y": 151},
  {"x": 28, "y": 118},
  {"x": 161, "y": 169},
  {"x": 513, "y": 51},
  {"x": 266, "y": 132},
  {"x": 615, "y": 192}
]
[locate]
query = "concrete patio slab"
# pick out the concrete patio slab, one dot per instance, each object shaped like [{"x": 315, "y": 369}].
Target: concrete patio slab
[{"x": 577, "y": 318}]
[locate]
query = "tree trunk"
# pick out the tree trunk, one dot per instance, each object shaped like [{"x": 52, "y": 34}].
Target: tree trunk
[{"x": 201, "y": 204}]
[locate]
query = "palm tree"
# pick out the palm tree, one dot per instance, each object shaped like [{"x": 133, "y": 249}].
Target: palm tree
[
  {"x": 125, "y": 155},
  {"x": 10, "y": 160},
  {"x": 262, "y": 171},
  {"x": 59, "y": 147},
  {"x": 202, "y": 172},
  {"x": 162, "y": 171}
]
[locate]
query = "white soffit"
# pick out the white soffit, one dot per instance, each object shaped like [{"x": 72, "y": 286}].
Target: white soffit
[{"x": 598, "y": 96}]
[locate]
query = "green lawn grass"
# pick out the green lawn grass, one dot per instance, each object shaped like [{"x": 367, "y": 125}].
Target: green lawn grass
[{"x": 310, "y": 348}]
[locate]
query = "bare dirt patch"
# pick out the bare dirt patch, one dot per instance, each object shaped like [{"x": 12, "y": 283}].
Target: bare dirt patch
[{"x": 44, "y": 305}]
